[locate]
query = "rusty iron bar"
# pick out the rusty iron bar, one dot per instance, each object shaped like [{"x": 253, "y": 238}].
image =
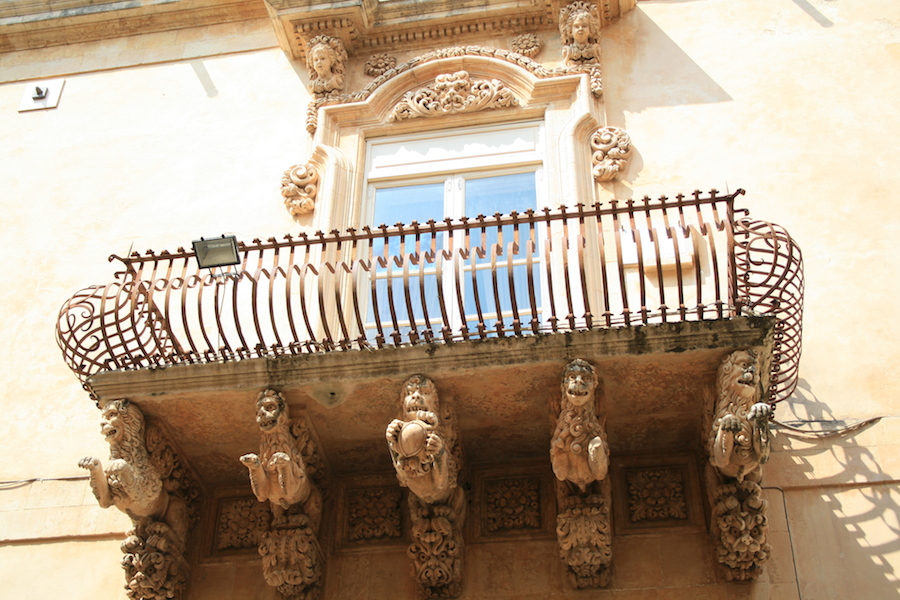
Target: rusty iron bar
[{"x": 442, "y": 281}]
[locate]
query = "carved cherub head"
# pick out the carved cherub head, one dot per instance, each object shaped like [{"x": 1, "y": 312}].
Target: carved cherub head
[
  {"x": 325, "y": 60},
  {"x": 738, "y": 374},
  {"x": 271, "y": 409},
  {"x": 579, "y": 24},
  {"x": 579, "y": 382}
]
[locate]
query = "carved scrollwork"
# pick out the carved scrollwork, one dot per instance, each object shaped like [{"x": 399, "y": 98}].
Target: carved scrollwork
[
  {"x": 527, "y": 44},
  {"x": 299, "y": 187},
  {"x": 656, "y": 494},
  {"x": 610, "y": 150},
  {"x": 585, "y": 540},
  {"x": 374, "y": 514},
  {"x": 453, "y": 93}
]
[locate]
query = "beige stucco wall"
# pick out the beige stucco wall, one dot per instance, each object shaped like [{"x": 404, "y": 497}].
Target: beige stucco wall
[{"x": 162, "y": 138}]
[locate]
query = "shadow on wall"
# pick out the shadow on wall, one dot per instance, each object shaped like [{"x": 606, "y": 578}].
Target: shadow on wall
[
  {"x": 845, "y": 532},
  {"x": 645, "y": 66}
]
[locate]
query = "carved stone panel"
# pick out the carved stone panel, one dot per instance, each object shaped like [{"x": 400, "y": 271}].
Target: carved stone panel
[
  {"x": 240, "y": 523},
  {"x": 656, "y": 494},
  {"x": 512, "y": 504},
  {"x": 374, "y": 514}
]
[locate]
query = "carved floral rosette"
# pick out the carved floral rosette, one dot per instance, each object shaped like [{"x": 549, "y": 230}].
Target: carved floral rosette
[
  {"x": 741, "y": 526},
  {"x": 585, "y": 539},
  {"x": 610, "y": 150},
  {"x": 374, "y": 514},
  {"x": 656, "y": 494},
  {"x": 299, "y": 187},
  {"x": 379, "y": 64},
  {"x": 527, "y": 44},
  {"x": 453, "y": 93}
]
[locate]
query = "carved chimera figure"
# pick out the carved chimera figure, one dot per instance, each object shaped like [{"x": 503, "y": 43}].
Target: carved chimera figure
[
  {"x": 281, "y": 475},
  {"x": 325, "y": 59},
  {"x": 579, "y": 455},
  {"x": 424, "y": 449},
  {"x": 154, "y": 561},
  {"x": 738, "y": 444},
  {"x": 579, "y": 30}
]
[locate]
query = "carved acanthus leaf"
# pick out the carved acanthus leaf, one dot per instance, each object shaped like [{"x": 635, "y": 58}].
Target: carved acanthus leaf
[
  {"x": 299, "y": 187},
  {"x": 513, "y": 504},
  {"x": 292, "y": 561},
  {"x": 374, "y": 514},
  {"x": 610, "y": 150},
  {"x": 584, "y": 534},
  {"x": 739, "y": 513},
  {"x": 453, "y": 93},
  {"x": 154, "y": 565},
  {"x": 437, "y": 546},
  {"x": 656, "y": 494}
]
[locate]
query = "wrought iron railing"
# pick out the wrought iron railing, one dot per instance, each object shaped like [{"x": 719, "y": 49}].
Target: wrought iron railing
[{"x": 619, "y": 264}]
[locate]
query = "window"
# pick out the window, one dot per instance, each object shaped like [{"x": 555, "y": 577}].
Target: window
[{"x": 462, "y": 279}]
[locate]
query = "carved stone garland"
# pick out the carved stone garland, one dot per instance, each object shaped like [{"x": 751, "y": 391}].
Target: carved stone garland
[
  {"x": 453, "y": 93},
  {"x": 579, "y": 454},
  {"x": 579, "y": 30},
  {"x": 738, "y": 446},
  {"x": 146, "y": 480},
  {"x": 610, "y": 150},
  {"x": 423, "y": 442},
  {"x": 282, "y": 474},
  {"x": 299, "y": 187}
]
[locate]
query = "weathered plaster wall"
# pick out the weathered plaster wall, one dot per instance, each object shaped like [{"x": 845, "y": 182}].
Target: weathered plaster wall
[{"x": 160, "y": 139}]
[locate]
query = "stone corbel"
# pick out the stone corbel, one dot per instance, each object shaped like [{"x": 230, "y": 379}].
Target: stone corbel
[
  {"x": 579, "y": 455},
  {"x": 610, "y": 150},
  {"x": 738, "y": 444},
  {"x": 300, "y": 188},
  {"x": 424, "y": 446},
  {"x": 147, "y": 480},
  {"x": 282, "y": 474}
]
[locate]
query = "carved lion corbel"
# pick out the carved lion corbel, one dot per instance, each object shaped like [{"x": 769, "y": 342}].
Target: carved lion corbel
[
  {"x": 738, "y": 445},
  {"x": 579, "y": 455},
  {"x": 423, "y": 442},
  {"x": 281, "y": 474},
  {"x": 135, "y": 481}
]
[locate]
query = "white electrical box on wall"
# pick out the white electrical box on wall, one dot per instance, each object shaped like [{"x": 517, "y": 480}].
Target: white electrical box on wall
[{"x": 41, "y": 94}]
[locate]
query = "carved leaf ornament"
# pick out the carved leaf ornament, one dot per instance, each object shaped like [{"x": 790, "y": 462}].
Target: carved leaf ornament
[{"x": 453, "y": 93}]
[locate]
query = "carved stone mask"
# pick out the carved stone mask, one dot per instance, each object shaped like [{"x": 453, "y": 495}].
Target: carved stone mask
[
  {"x": 744, "y": 376},
  {"x": 578, "y": 384},
  {"x": 269, "y": 409},
  {"x": 111, "y": 425}
]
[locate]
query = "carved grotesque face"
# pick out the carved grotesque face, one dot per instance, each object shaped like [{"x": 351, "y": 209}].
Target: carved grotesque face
[
  {"x": 322, "y": 61},
  {"x": 579, "y": 383},
  {"x": 111, "y": 425},
  {"x": 581, "y": 29},
  {"x": 419, "y": 397},
  {"x": 269, "y": 409},
  {"x": 743, "y": 376}
]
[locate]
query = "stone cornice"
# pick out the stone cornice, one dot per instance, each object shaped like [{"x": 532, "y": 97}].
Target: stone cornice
[{"x": 26, "y": 26}]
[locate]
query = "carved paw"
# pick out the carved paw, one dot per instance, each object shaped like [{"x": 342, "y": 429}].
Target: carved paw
[
  {"x": 90, "y": 463},
  {"x": 433, "y": 444},
  {"x": 760, "y": 411},
  {"x": 730, "y": 423},
  {"x": 280, "y": 458},
  {"x": 393, "y": 430},
  {"x": 250, "y": 460}
]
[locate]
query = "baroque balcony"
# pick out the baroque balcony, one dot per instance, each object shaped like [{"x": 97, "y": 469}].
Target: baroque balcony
[{"x": 653, "y": 293}]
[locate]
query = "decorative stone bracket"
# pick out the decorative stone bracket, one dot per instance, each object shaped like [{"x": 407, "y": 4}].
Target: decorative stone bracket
[
  {"x": 300, "y": 187},
  {"x": 424, "y": 447},
  {"x": 610, "y": 150},
  {"x": 147, "y": 480},
  {"x": 282, "y": 474},
  {"x": 579, "y": 454},
  {"x": 738, "y": 444}
]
